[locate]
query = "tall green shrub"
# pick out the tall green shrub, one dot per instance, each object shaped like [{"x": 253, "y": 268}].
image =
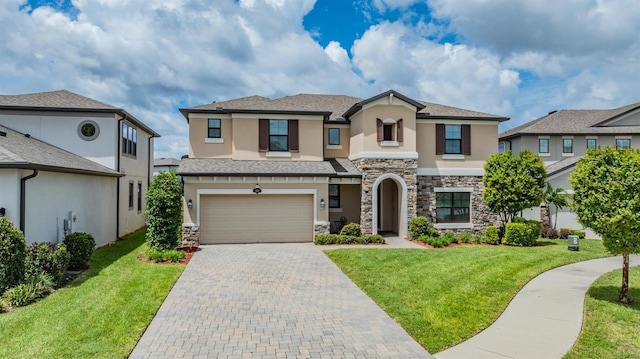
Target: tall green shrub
[
  {"x": 164, "y": 211},
  {"x": 491, "y": 235},
  {"x": 421, "y": 226},
  {"x": 519, "y": 234},
  {"x": 13, "y": 250},
  {"x": 49, "y": 258},
  {"x": 80, "y": 246}
]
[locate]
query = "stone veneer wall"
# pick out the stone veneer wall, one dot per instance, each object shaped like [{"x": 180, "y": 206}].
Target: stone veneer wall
[
  {"x": 191, "y": 234},
  {"x": 323, "y": 228},
  {"x": 481, "y": 216},
  {"x": 371, "y": 169}
]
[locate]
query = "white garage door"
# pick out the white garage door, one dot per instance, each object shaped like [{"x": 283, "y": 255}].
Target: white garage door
[{"x": 256, "y": 218}]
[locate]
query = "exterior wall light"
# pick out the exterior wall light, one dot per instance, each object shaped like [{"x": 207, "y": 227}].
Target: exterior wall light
[
  {"x": 189, "y": 203},
  {"x": 257, "y": 190},
  {"x": 322, "y": 203}
]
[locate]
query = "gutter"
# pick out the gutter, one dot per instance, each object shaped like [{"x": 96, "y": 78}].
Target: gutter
[{"x": 23, "y": 197}]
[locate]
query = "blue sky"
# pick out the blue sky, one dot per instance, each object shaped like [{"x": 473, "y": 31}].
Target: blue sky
[{"x": 519, "y": 59}]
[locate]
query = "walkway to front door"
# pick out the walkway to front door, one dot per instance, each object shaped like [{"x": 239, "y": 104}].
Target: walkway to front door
[{"x": 271, "y": 301}]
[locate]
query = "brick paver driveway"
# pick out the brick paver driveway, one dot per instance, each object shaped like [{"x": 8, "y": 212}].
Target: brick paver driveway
[{"x": 270, "y": 301}]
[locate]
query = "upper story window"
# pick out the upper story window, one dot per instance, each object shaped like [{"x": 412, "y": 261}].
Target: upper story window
[
  {"x": 543, "y": 145},
  {"x": 334, "y": 196},
  {"x": 334, "y": 136},
  {"x": 129, "y": 140},
  {"x": 623, "y": 143},
  {"x": 453, "y": 139},
  {"x": 278, "y": 135},
  {"x": 387, "y": 132},
  {"x": 390, "y": 131},
  {"x": 592, "y": 143},
  {"x": 567, "y": 145},
  {"x": 213, "y": 128}
]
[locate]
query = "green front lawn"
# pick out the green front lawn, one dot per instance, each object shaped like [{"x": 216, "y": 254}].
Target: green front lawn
[
  {"x": 442, "y": 297},
  {"x": 102, "y": 314},
  {"x": 610, "y": 329}
]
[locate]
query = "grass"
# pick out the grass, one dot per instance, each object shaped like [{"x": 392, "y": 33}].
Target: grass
[
  {"x": 610, "y": 329},
  {"x": 101, "y": 314},
  {"x": 442, "y": 297}
]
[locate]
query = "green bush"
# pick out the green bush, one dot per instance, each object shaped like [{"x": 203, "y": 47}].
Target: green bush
[
  {"x": 421, "y": 226},
  {"x": 448, "y": 238},
  {"x": 324, "y": 239},
  {"x": 465, "y": 237},
  {"x": 154, "y": 254},
  {"x": 164, "y": 211},
  {"x": 80, "y": 246},
  {"x": 519, "y": 234},
  {"x": 37, "y": 286},
  {"x": 174, "y": 255},
  {"x": 13, "y": 251},
  {"x": 577, "y": 232},
  {"x": 564, "y": 233},
  {"x": 351, "y": 229},
  {"x": 436, "y": 242},
  {"x": 479, "y": 238},
  {"x": 491, "y": 235},
  {"x": 374, "y": 238},
  {"x": 49, "y": 258}
]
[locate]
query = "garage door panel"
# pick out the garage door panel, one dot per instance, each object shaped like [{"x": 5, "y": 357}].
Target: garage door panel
[{"x": 256, "y": 218}]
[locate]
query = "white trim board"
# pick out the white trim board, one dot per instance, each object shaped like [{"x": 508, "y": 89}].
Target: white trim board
[
  {"x": 384, "y": 155},
  {"x": 450, "y": 171}
]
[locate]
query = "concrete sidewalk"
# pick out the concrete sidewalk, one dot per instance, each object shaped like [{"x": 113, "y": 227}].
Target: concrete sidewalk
[{"x": 544, "y": 319}]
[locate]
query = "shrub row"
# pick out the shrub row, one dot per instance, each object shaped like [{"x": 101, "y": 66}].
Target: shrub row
[
  {"x": 171, "y": 255},
  {"x": 449, "y": 238},
  {"x": 522, "y": 232},
  {"x": 563, "y": 233},
  {"x": 323, "y": 239}
]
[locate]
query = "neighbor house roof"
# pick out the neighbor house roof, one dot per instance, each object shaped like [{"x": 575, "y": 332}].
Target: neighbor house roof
[
  {"x": 336, "y": 108},
  {"x": 562, "y": 165},
  {"x": 166, "y": 161},
  {"x": 229, "y": 167},
  {"x": 66, "y": 101},
  {"x": 18, "y": 150},
  {"x": 575, "y": 122}
]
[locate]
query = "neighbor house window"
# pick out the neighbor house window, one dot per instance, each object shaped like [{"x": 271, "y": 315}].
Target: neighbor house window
[
  {"x": 129, "y": 140},
  {"x": 501, "y": 147},
  {"x": 623, "y": 143},
  {"x": 567, "y": 145},
  {"x": 213, "y": 128},
  {"x": 334, "y": 196},
  {"x": 278, "y": 135},
  {"x": 543, "y": 145},
  {"x": 334, "y": 136},
  {"x": 592, "y": 143},
  {"x": 139, "y": 196},
  {"x": 130, "y": 195},
  {"x": 453, "y": 207},
  {"x": 452, "y": 139}
]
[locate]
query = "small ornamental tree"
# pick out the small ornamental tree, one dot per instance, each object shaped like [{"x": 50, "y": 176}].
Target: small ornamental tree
[
  {"x": 164, "y": 211},
  {"x": 513, "y": 183},
  {"x": 605, "y": 184}
]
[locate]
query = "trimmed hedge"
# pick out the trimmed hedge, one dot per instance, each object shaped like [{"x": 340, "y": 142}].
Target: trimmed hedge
[
  {"x": 581, "y": 234},
  {"x": 351, "y": 229},
  {"x": 491, "y": 235},
  {"x": 13, "y": 251},
  {"x": 49, "y": 258},
  {"x": 80, "y": 246},
  {"x": 421, "y": 226},
  {"x": 519, "y": 234},
  {"x": 324, "y": 239}
]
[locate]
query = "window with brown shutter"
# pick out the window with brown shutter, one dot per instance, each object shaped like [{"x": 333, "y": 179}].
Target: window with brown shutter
[
  {"x": 466, "y": 139},
  {"x": 380, "y": 128},
  {"x": 439, "y": 139},
  {"x": 293, "y": 136},
  {"x": 399, "y": 131},
  {"x": 263, "y": 135}
]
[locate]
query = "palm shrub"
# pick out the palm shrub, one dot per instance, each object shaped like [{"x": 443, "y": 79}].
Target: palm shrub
[
  {"x": 164, "y": 211},
  {"x": 80, "y": 246},
  {"x": 49, "y": 258},
  {"x": 13, "y": 251},
  {"x": 421, "y": 226}
]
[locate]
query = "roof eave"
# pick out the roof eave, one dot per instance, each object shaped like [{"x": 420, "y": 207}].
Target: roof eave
[
  {"x": 186, "y": 112},
  {"x": 40, "y": 167},
  {"x": 254, "y": 174},
  {"x": 424, "y": 116}
]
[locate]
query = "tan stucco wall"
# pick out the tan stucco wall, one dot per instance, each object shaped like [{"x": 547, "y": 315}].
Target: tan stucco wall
[
  {"x": 349, "y": 203},
  {"x": 190, "y": 192},
  {"x": 198, "y": 133},
  {"x": 332, "y": 151},
  {"x": 484, "y": 142},
  {"x": 365, "y": 134}
]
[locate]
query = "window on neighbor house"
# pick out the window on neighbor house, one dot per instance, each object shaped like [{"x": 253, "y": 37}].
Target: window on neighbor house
[
  {"x": 130, "y": 195},
  {"x": 213, "y": 128},
  {"x": 334, "y": 136},
  {"x": 129, "y": 140},
  {"x": 567, "y": 145},
  {"x": 623, "y": 143},
  {"x": 592, "y": 143},
  {"x": 139, "y": 196},
  {"x": 453, "y": 139},
  {"x": 278, "y": 135},
  {"x": 543, "y": 145},
  {"x": 453, "y": 207},
  {"x": 334, "y": 196},
  {"x": 501, "y": 147}
]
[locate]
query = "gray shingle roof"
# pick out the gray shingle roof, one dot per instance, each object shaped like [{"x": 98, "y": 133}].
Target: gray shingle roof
[
  {"x": 228, "y": 167},
  {"x": 575, "y": 122},
  {"x": 20, "y": 151},
  {"x": 562, "y": 165},
  {"x": 337, "y": 105},
  {"x": 63, "y": 100},
  {"x": 166, "y": 161}
]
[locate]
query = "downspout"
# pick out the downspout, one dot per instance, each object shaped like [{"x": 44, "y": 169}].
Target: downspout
[
  {"x": 118, "y": 153},
  {"x": 23, "y": 197},
  {"x": 149, "y": 167}
]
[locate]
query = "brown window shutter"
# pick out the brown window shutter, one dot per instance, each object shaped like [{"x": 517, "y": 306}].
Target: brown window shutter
[
  {"x": 263, "y": 135},
  {"x": 293, "y": 136},
  {"x": 380, "y": 130},
  {"x": 466, "y": 139},
  {"x": 439, "y": 139},
  {"x": 399, "y": 131}
]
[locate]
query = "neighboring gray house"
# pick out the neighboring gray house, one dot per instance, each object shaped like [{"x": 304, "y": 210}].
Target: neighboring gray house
[
  {"x": 164, "y": 164},
  {"x": 562, "y": 137}
]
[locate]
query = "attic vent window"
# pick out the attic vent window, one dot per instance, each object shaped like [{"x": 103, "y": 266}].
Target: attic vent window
[
  {"x": 3, "y": 134},
  {"x": 88, "y": 130}
]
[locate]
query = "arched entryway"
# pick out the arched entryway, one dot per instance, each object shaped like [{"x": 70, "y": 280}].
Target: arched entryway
[{"x": 389, "y": 205}]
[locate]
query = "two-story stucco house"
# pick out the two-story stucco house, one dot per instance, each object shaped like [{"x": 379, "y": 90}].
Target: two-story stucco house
[
  {"x": 278, "y": 170},
  {"x": 71, "y": 163},
  {"x": 561, "y": 138}
]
